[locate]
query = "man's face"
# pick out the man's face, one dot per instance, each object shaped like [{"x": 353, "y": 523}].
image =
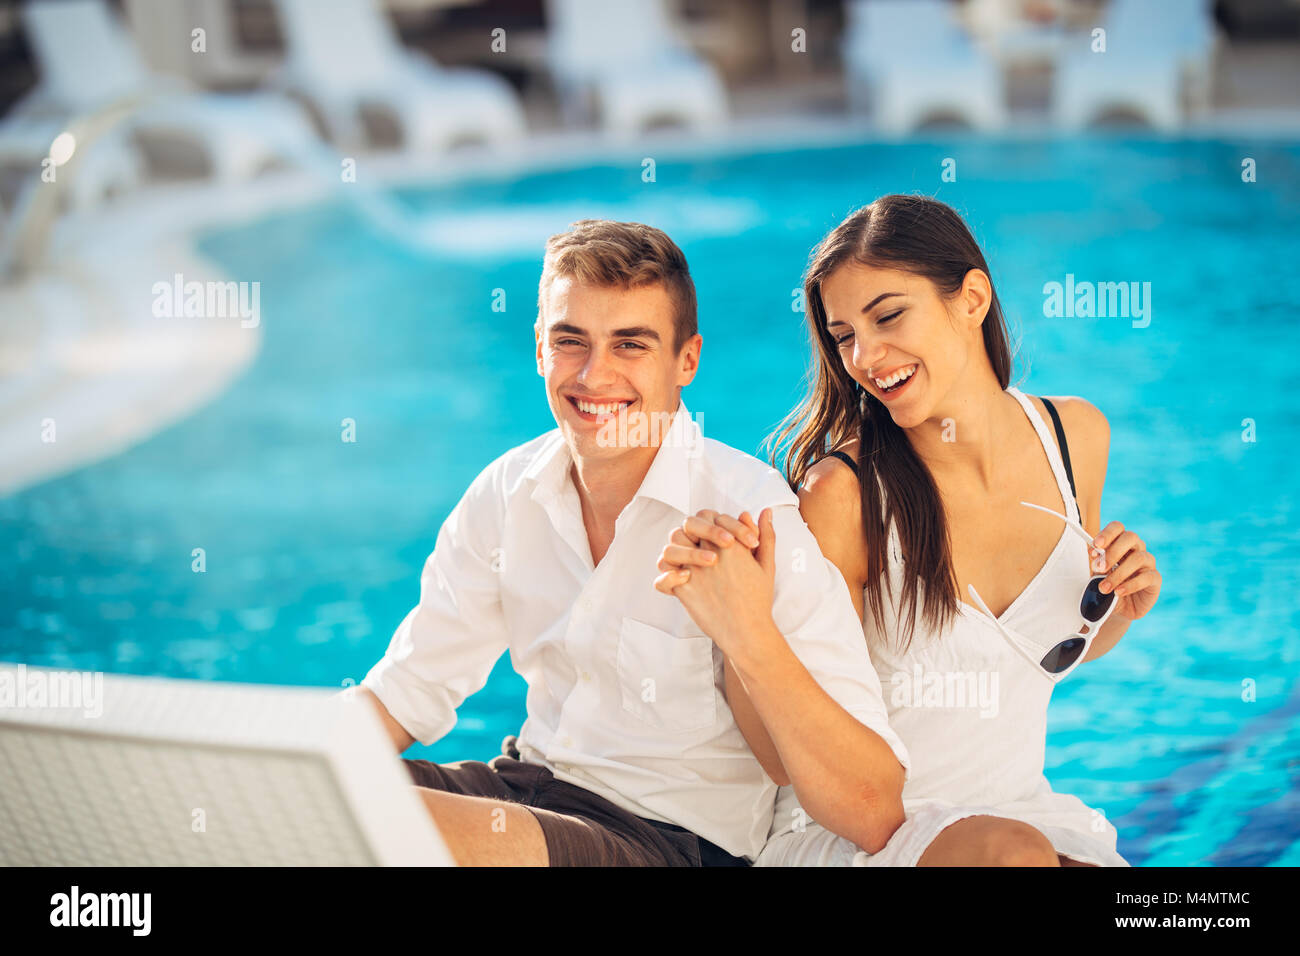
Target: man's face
[{"x": 607, "y": 352}]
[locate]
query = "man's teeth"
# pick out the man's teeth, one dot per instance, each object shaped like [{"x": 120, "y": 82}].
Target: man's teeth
[
  {"x": 902, "y": 375},
  {"x": 607, "y": 409}
]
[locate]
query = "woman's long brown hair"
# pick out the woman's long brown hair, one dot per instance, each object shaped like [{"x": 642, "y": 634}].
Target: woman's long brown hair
[{"x": 926, "y": 238}]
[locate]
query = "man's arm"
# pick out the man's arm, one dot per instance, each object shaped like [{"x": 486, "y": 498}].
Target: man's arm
[
  {"x": 396, "y": 732},
  {"x": 445, "y": 648}
]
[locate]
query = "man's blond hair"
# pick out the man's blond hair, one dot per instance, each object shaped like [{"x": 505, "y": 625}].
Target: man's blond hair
[{"x": 623, "y": 254}]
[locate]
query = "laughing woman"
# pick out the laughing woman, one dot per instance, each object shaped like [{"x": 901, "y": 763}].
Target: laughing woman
[{"x": 968, "y": 531}]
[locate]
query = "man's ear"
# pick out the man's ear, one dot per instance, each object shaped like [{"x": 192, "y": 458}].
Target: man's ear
[
  {"x": 537, "y": 334},
  {"x": 689, "y": 359}
]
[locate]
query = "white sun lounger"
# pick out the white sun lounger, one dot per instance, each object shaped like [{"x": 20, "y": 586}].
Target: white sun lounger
[
  {"x": 154, "y": 772},
  {"x": 86, "y": 63},
  {"x": 621, "y": 61},
  {"x": 345, "y": 60},
  {"x": 909, "y": 62},
  {"x": 1153, "y": 53}
]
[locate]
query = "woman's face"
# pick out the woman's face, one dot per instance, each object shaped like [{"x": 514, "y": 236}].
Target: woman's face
[{"x": 900, "y": 339}]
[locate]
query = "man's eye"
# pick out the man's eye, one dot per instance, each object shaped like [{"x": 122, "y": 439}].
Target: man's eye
[
  {"x": 889, "y": 318},
  {"x": 635, "y": 345},
  {"x": 559, "y": 342}
]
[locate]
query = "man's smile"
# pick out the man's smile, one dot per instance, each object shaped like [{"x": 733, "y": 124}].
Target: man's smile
[{"x": 598, "y": 408}]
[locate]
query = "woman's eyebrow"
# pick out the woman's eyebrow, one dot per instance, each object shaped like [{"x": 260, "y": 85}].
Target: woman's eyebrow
[{"x": 877, "y": 300}]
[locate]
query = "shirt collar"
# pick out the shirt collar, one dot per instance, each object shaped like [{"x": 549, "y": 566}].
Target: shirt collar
[{"x": 668, "y": 479}]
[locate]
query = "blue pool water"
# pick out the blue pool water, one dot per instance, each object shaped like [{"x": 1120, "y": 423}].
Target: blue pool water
[{"x": 314, "y": 546}]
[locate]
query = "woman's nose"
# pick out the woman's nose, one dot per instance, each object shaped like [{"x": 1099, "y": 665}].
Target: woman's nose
[{"x": 868, "y": 356}]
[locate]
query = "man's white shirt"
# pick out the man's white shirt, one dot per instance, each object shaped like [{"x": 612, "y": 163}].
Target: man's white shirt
[{"x": 625, "y": 692}]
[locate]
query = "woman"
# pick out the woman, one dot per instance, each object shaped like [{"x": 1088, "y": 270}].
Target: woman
[{"x": 912, "y": 457}]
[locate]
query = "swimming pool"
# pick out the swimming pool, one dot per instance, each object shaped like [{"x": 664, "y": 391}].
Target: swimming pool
[{"x": 313, "y": 546}]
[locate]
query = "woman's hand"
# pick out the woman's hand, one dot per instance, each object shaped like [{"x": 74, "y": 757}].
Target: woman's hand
[
  {"x": 727, "y": 590},
  {"x": 1133, "y": 575}
]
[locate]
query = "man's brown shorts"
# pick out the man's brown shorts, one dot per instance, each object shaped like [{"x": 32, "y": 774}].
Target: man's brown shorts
[{"x": 581, "y": 828}]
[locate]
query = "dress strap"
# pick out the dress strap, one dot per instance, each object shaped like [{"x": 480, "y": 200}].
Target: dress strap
[
  {"x": 1060, "y": 440},
  {"x": 1064, "y": 482},
  {"x": 846, "y": 459}
]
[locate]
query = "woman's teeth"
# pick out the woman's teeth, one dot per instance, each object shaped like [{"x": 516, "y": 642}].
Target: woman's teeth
[{"x": 898, "y": 378}]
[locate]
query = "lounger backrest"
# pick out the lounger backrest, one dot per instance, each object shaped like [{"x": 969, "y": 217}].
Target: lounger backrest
[
  {"x": 1186, "y": 26},
  {"x": 887, "y": 29},
  {"x": 83, "y": 53},
  {"x": 344, "y": 46},
  {"x": 591, "y": 36}
]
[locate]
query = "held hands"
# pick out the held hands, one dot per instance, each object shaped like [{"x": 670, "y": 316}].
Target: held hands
[
  {"x": 1133, "y": 575},
  {"x": 727, "y": 590}
]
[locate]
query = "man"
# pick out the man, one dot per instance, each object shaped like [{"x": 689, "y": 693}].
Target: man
[{"x": 637, "y": 745}]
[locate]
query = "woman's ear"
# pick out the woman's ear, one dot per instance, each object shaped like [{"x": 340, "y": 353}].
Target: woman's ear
[{"x": 975, "y": 297}]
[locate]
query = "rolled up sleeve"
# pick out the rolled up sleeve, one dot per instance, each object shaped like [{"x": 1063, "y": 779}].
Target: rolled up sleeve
[
  {"x": 812, "y": 608},
  {"x": 445, "y": 648}
]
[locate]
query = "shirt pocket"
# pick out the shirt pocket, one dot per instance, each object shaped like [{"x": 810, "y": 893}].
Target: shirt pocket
[{"x": 665, "y": 680}]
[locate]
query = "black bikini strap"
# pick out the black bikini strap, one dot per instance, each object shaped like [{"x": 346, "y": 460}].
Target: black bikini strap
[
  {"x": 847, "y": 460},
  {"x": 1065, "y": 448}
]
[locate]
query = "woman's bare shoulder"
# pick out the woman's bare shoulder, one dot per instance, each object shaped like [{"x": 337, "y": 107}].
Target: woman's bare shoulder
[
  {"x": 831, "y": 504},
  {"x": 1088, "y": 434}
]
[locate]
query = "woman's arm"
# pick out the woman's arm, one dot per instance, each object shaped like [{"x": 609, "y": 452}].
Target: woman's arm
[
  {"x": 1133, "y": 577},
  {"x": 809, "y": 730},
  {"x": 686, "y": 550},
  {"x": 831, "y": 507}
]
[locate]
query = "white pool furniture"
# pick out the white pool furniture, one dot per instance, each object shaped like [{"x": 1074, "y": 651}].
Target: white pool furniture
[
  {"x": 86, "y": 63},
  {"x": 112, "y": 770},
  {"x": 1155, "y": 52},
  {"x": 106, "y": 167},
  {"x": 909, "y": 63},
  {"x": 346, "y": 61},
  {"x": 621, "y": 61}
]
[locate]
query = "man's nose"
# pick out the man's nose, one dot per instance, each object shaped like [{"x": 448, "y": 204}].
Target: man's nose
[{"x": 597, "y": 370}]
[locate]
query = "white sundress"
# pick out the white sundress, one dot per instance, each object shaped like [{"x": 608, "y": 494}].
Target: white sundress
[{"x": 976, "y": 748}]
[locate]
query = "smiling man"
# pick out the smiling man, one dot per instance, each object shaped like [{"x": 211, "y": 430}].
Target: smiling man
[{"x": 637, "y": 745}]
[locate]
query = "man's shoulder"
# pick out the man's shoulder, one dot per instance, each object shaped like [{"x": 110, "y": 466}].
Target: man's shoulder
[
  {"x": 742, "y": 481},
  {"x": 502, "y": 476}
]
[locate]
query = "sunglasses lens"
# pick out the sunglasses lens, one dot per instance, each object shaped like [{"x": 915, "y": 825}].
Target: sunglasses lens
[
  {"x": 1063, "y": 655},
  {"x": 1094, "y": 605}
]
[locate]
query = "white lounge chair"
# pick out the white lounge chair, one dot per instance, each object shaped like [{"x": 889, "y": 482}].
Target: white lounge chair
[
  {"x": 116, "y": 770},
  {"x": 87, "y": 64},
  {"x": 909, "y": 62},
  {"x": 620, "y": 60},
  {"x": 1154, "y": 52},
  {"x": 347, "y": 63}
]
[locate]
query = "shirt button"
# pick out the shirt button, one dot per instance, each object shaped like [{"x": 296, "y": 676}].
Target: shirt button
[{"x": 586, "y": 676}]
